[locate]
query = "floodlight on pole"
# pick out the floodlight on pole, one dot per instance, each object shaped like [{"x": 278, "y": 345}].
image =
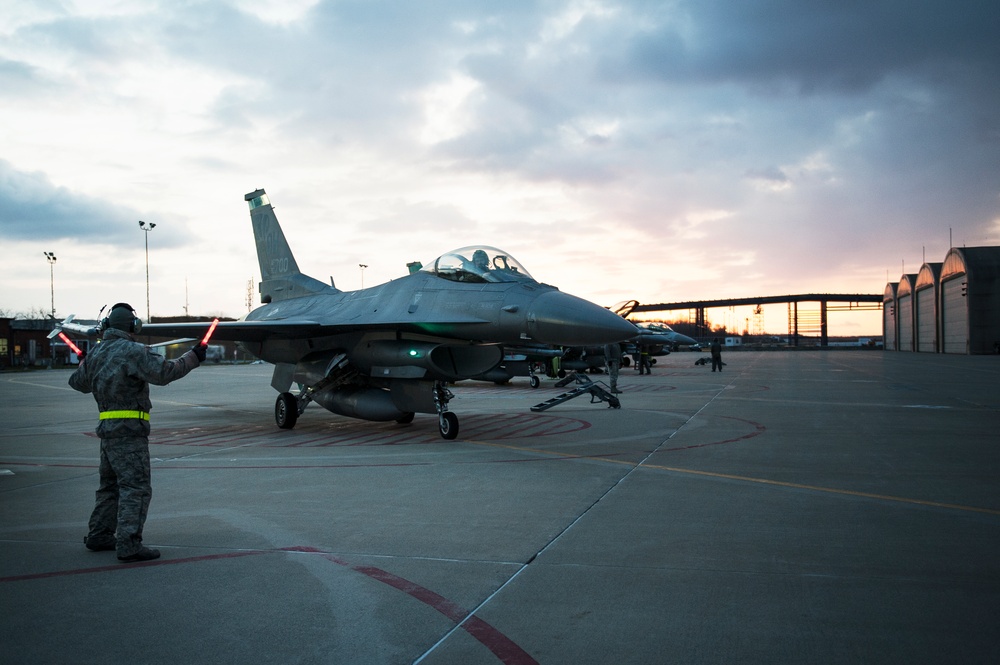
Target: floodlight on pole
[
  {"x": 362, "y": 266},
  {"x": 51, "y": 258},
  {"x": 147, "y": 227}
]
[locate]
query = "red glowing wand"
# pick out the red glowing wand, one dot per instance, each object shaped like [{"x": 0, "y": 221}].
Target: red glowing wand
[
  {"x": 208, "y": 335},
  {"x": 73, "y": 347}
]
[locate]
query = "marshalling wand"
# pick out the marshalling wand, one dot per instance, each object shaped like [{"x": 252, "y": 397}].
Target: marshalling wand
[{"x": 208, "y": 335}]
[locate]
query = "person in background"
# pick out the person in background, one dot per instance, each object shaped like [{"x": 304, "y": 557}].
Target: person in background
[
  {"x": 716, "y": 354},
  {"x": 613, "y": 359}
]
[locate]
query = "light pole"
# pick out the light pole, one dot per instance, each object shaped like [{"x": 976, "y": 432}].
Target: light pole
[
  {"x": 362, "y": 266},
  {"x": 147, "y": 227},
  {"x": 51, "y": 258}
]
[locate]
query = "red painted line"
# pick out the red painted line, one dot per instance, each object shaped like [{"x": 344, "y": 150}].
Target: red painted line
[
  {"x": 377, "y": 438},
  {"x": 499, "y": 644},
  {"x": 497, "y": 424},
  {"x": 308, "y": 442},
  {"x": 524, "y": 426},
  {"x": 758, "y": 430}
]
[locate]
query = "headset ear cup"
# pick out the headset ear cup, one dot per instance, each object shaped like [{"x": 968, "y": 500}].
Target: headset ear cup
[{"x": 136, "y": 325}]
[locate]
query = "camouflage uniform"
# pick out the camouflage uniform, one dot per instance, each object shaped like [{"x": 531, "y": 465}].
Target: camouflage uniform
[
  {"x": 613, "y": 357},
  {"x": 118, "y": 371}
]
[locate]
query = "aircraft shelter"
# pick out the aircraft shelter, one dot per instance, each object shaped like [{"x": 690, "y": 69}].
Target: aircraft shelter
[
  {"x": 802, "y": 320},
  {"x": 947, "y": 307}
]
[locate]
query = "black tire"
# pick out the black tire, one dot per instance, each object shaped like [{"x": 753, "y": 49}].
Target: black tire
[
  {"x": 286, "y": 411},
  {"x": 534, "y": 381},
  {"x": 448, "y": 425}
]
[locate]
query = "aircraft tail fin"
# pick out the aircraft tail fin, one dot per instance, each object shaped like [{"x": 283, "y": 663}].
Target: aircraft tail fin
[{"x": 280, "y": 278}]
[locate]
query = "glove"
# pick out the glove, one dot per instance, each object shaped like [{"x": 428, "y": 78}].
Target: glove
[
  {"x": 200, "y": 350},
  {"x": 80, "y": 356}
]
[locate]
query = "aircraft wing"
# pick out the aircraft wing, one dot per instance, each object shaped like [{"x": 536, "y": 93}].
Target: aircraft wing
[
  {"x": 256, "y": 331},
  {"x": 236, "y": 331}
]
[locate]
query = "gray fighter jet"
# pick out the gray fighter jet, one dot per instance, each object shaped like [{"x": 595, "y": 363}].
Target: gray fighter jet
[
  {"x": 387, "y": 352},
  {"x": 658, "y": 335}
]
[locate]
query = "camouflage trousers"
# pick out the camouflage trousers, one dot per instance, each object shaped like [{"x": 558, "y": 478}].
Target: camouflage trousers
[{"x": 124, "y": 493}]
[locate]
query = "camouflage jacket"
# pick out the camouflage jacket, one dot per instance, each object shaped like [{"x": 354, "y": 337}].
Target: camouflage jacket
[
  {"x": 613, "y": 353},
  {"x": 118, "y": 371}
]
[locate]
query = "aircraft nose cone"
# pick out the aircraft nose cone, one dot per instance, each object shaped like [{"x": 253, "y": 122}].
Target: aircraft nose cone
[{"x": 564, "y": 320}]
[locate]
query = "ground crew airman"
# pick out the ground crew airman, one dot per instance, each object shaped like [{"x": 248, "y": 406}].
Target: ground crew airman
[
  {"x": 716, "y": 354},
  {"x": 645, "y": 363},
  {"x": 613, "y": 358},
  {"x": 118, "y": 372}
]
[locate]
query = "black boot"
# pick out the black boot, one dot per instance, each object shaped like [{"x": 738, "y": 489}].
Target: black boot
[
  {"x": 145, "y": 554},
  {"x": 100, "y": 543}
]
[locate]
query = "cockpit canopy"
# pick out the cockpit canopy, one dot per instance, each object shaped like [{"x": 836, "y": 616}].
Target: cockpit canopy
[
  {"x": 656, "y": 327},
  {"x": 479, "y": 263}
]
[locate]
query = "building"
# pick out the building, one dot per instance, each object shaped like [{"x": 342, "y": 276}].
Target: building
[
  {"x": 26, "y": 343},
  {"x": 889, "y": 327},
  {"x": 948, "y": 307}
]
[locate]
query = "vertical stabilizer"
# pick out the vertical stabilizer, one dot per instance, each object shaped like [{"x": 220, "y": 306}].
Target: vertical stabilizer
[{"x": 280, "y": 278}]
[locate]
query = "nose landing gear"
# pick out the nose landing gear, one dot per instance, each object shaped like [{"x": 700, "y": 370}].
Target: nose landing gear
[{"x": 447, "y": 421}]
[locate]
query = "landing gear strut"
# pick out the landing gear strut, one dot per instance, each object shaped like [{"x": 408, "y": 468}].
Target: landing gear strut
[{"x": 447, "y": 421}]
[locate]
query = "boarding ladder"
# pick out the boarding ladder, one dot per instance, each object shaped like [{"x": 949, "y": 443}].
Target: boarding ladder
[{"x": 598, "y": 393}]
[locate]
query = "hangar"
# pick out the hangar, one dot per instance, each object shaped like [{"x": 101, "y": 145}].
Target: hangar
[
  {"x": 904, "y": 313},
  {"x": 890, "y": 332},
  {"x": 948, "y": 307}
]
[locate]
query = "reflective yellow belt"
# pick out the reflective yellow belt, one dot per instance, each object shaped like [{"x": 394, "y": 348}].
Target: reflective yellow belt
[{"x": 141, "y": 415}]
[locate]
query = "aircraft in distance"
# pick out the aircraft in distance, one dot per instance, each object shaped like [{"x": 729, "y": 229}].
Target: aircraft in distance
[
  {"x": 662, "y": 335},
  {"x": 387, "y": 352},
  {"x": 658, "y": 335},
  {"x": 526, "y": 360}
]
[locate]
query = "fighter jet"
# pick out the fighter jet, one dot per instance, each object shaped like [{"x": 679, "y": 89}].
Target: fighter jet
[
  {"x": 387, "y": 352},
  {"x": 658, "y": 335},
  {"x": 663, "y": 336}
]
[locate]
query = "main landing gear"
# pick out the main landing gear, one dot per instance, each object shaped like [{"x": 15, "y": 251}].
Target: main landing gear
[{"x": 288, "y": 408}]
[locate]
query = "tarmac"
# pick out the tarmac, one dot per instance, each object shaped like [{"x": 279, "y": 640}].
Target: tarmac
[{"x": 799, "y": 507}]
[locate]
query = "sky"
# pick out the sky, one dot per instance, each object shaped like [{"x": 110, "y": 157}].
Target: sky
[{"x": 635, "y": 149}]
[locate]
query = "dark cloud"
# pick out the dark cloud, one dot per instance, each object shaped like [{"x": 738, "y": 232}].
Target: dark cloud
[
  {"x": 33, "y": 208},
  {"x": 815, "y": 46}
]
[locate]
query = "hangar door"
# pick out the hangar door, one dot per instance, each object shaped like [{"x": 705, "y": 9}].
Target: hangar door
[
  {"x": 906, "y": 322},
  {"x": 926, "y": 325},
  {"x": 954, "y": 316},
  {"x": 889, "y": 325}
]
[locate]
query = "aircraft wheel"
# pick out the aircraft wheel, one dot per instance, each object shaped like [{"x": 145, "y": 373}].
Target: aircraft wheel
[
  {"x": 406, "y": 418},
  {"x": 286, "y": 411},
  {"x": 448, "y": 424},
  {"x": 534, "y": 381}
]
